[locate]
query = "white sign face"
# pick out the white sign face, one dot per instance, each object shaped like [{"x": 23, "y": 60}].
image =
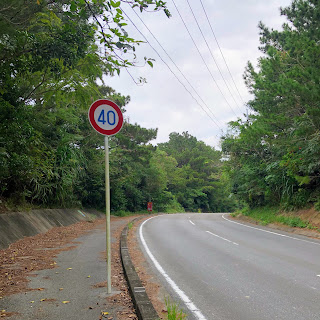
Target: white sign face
[{"x": 106, "y": 117}]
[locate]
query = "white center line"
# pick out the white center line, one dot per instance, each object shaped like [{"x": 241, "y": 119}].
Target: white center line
[
  {"x": 222, "y": 238},
  {"x": 278, "y": 234},
  {"x": 191, "y": 222}
]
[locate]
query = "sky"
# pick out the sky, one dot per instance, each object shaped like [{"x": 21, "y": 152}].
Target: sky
[{"x": 163, "y": 102}]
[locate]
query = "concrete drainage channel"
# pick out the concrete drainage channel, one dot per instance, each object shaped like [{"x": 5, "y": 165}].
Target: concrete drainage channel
[{"x": 141, "y": 301}]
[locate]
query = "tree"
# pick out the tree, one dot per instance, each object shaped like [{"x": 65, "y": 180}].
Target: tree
[
  {"x": 196, "y": 180},
  {"x": 49, "y": 64},
  {"x": 274, "y": 153}
]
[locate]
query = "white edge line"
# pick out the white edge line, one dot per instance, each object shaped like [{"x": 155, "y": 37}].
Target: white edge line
[
  {"x": 222, "y": 238},
  {"x": 190, "y": 305},
  {"x": 278, "y": 234},
  {"x": 191, "y": 222}
]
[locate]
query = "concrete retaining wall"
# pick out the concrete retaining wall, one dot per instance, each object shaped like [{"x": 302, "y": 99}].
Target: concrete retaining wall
[{"x": 16, "y": 225}]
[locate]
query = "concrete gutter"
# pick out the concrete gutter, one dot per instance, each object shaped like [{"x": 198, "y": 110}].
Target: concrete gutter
[
  {"x": 141, "y": 301},
  {"x": 16, "y": 225}
]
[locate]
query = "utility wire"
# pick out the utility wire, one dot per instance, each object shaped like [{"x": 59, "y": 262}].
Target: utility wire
[
  {"x": 203, "y": 58},
  {"x": 154, "y": 37},
  {"x": 221, "y": 51},
  {"x": 171, "y": 70},
  {"x": 205, "y": 40}
]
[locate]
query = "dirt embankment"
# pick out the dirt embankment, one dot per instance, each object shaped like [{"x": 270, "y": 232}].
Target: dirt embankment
[{"x": 311, "y": 215}]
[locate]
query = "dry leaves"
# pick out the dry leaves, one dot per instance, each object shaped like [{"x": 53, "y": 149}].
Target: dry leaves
[{"x": 31, "y": 254}]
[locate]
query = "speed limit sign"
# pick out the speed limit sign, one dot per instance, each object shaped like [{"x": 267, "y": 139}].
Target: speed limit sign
[{"x": 105, "y": 117}]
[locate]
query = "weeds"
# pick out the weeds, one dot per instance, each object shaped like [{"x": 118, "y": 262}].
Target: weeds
[
  {"x": 269, "y": 215},
  {"x": 174, "y": 311}
]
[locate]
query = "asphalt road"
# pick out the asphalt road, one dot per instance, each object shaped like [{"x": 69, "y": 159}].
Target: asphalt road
[{"x": 220, "y": 269}]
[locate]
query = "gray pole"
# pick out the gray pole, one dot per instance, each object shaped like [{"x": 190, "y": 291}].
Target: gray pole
[{"x": 108, "y": 235}]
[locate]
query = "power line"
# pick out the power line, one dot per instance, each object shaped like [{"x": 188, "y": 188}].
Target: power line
[
  {"x": 154, "y": 37},
  {"x": 203, "y": 58},
  {"x": 205, "y": 40},
  {"x": 171, "y": 70},
  {"x": 221, "y": 51}
]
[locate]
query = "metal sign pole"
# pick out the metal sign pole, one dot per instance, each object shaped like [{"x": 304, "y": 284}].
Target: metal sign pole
[{"x": 108, "y": 235}]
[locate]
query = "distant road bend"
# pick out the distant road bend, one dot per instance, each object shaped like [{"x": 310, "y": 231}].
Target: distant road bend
[{"x": 225, "y": 270}]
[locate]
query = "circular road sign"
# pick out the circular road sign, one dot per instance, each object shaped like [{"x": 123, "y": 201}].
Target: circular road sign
[{"x": 105, "y": 117}]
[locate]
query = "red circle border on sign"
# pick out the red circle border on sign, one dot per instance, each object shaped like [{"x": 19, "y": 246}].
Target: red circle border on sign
[{"x": 93, "y": 108}]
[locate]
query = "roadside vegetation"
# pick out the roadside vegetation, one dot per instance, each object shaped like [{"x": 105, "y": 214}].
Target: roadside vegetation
[
  {"x": 274, "y": 153},
  {"x": 51, "y": 70},
  {"x": 268, "y": 215},
  {"x": 174, "y": 311}
]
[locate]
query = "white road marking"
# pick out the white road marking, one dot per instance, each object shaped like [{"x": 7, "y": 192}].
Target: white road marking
[
  {"x": 318, "y": 275},
  {"x": 222, "y": 238},
  {"x": 190, "y": 305},
  {"x": 191, "y": 222},
  {"x": 278, "y": 234}
]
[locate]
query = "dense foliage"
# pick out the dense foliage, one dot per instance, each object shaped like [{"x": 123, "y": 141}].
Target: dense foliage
[
  {"x": 49, "y": 155},
  {"x": 197, "y": 180},
  {"x": 275, "y": 153}
]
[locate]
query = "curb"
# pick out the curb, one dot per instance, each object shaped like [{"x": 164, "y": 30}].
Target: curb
[{"x": 141, "y": 301}]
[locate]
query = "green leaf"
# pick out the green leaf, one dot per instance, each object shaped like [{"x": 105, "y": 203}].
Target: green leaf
[
  {"x": 115, "y": 4},
  {"x": 150, "y": 63},
  {"x": 73, "y": 6}
]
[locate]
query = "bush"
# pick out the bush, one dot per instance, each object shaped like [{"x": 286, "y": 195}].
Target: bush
[
  {"x": 292, "y": 221},
  {"x": 317, "y": 205}
]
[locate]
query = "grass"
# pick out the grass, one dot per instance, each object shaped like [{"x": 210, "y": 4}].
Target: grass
[
  {"x": 174, "y": 311},
  {"x": 267, "y": 215}
]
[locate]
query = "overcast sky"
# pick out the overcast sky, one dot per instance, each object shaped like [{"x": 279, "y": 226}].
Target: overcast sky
[{"x": 163, "y": 102}]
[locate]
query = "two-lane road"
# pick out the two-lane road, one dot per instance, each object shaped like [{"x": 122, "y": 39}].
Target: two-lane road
[{"x": 221, "y": 269}]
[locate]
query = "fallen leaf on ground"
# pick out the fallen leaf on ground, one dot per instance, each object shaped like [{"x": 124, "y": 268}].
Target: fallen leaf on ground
[
  {"x": 65, "y": 302},
  {"x": 69, "y": 269},
  {"x": 60, "y": 289}
]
